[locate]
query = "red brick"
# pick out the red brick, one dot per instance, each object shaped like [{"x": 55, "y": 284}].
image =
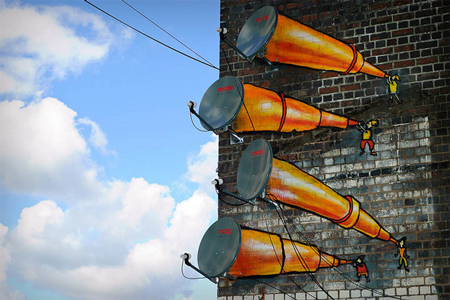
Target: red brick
[
  {"x": 403, "y": 64},
  {"x": 377, "y": 52},
  {"x": 428, "y": 60},
  {"x": 423, "y": 77},
  {"x": 407, "y": 16},
  {"x": 291, "y": 6},
  {"x": 402, "y": 32},
  {"x": 351, "y": 41},
  {"x": 404, "y": 48},
  {"x": 350, "y": 87},
  {"x": 384, "y": 67},
  {"x": 329, "y": 90},
  {"x": 382, "y": 20},
  {"x": 401, "y": 2},
  {"x": 378, "y": 6}
]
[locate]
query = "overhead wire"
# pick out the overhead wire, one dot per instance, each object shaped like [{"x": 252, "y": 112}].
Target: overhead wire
[
  {"x": 146, "y": 35},
  {"x": 132, "y": 7}
]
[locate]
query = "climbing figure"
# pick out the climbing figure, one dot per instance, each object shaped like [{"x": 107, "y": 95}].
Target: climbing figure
[
  {"x": 403, "y": 255},
  {"x": 366, "y": 130},
  {"x": 393, "y": 87},
  {"x": 361, "y": 268}
]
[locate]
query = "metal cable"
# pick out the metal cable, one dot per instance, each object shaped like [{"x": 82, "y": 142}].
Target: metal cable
[{"x": 146, "y": 35}]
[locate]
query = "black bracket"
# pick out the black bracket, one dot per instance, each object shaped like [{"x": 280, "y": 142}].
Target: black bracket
[
  {"x": 234, "y": 138},
  {"x": 185, "y": 257}
]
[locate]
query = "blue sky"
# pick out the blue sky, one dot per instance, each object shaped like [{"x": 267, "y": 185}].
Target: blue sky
[{"x": 104, "y": 181}]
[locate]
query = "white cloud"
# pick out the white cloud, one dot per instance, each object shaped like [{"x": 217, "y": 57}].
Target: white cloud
[
  {"x": 43, "y": 256},
  {"x": 112, "y": 240},
  {"x": 97, "y": 137},
  {"x": 43, "y": 152},
  {"x": 33, "y": 220},
  {"x": 115, "y": 240},
  {"x": 4, "y": 253},
  {"x": 45, "y": 41},
  {"x": 5, "y": 258},
  {"x": 202, "y": 166},
  {"x": 145, "y": 205}
]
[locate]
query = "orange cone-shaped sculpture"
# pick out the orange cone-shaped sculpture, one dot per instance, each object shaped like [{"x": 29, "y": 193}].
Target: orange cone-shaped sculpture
[
  {"x": 300, "y": 45},
  {"x": 264, "y": 254},
  {"x": 266, "y": 110},
  {"x": 293, "y": 187},
  {"x": 280, "y": 39}
]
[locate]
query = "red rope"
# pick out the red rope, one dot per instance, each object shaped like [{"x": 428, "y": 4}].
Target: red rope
[
  {"x": 283, "y": 117},
  {"x": 355, "y": 56}
]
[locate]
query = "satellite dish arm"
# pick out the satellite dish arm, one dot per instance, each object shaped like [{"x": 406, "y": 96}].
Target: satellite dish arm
[
  {"x": 185, "y": 257},
  {"x": 222, "y": 32},
  {"x": 232, "y": 134},
  {"x": 219, "y": 186},
  {"x": 191, "y": 106}
]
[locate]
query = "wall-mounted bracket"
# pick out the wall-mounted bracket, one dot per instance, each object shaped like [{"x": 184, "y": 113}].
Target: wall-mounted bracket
[{"x": 222, "y": 32}]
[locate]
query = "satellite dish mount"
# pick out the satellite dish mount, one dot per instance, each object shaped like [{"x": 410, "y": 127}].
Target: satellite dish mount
[{"x": 223, "y": 31}]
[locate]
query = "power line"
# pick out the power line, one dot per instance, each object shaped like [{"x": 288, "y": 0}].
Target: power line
[
  {"x": 166, "y": 32},
  {"x": 146, "y": 35}
]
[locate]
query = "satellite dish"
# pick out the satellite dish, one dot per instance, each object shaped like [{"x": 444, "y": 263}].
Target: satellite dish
[
  {"x": 221, "y": 102},
  {"x": 254, "y": 169},
  {"x": 219, "y": 247},
  {"x": 257, "y": 31}
]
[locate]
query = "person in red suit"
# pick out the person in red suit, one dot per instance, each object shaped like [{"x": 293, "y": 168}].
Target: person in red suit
[
  {"x": 361, "y": 268},
  {"x": 367, "y": 134}
]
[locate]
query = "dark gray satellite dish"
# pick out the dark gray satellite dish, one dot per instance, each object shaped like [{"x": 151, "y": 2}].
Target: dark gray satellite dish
[
  {"x": 219, "y": 247},
  {"x": 254, "y": 169},
  {"x": 221, "y": 102},
  {"x": 257, "y": 31}
]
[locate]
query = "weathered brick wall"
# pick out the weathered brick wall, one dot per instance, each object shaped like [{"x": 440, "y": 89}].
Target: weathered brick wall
[{"x": 405, "y": 187}]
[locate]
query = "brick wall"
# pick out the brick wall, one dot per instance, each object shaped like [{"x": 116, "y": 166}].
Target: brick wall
[{"x": 405, "y": 187}]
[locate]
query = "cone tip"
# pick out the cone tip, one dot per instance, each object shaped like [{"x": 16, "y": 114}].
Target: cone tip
[
  {"x": 370, "y": 69},
  {"x": 344, "y": 262},
  {"x": 352, "y": 122},
  {"x": 393, "y": 240}
]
